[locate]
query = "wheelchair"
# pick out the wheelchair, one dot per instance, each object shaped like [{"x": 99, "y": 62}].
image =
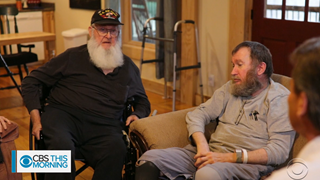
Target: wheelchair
[{"x": 131, "y": 156}]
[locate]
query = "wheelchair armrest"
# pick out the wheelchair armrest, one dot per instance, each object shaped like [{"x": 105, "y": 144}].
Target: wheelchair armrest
[
  {"x": 39, "y": 144},
  {"x": 139, "y": 142},
  {"x": 129, "y": 108}
]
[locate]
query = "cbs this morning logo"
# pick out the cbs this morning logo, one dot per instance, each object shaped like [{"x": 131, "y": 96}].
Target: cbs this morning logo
[
  {"x": 41, "y": 161},
  {"x": 297, "y": 169}
]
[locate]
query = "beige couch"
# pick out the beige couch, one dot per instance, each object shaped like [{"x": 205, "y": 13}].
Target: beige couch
[{"x": 169, "y": 129}]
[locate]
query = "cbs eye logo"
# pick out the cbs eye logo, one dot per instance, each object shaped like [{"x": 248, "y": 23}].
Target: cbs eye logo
[
  {"x": 25, "y": 161},
  {"x": 297, "y": 169}
]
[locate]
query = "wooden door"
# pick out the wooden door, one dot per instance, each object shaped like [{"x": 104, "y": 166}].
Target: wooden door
[{"x": 282, "y": 25}]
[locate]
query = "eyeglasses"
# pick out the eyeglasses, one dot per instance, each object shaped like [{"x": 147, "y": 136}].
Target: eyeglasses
[{"x": 102, "y": 31}]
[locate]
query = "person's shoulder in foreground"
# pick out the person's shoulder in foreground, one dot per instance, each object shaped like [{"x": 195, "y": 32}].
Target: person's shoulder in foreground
[{"x": 304, "y": 112}]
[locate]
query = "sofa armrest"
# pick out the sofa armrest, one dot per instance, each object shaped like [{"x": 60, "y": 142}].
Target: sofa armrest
[
  {"x": 298, "y": 144},
  {"x": 160, "y": 131}
]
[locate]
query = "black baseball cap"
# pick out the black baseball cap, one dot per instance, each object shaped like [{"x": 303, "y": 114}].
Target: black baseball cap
[{"x": 106, "y": 16}]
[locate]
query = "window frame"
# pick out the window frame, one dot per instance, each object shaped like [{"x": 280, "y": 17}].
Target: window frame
[{"x": 129, "y": 46}]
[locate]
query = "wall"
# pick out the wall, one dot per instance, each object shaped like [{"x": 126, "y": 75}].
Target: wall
[
  {"x": 213, "y": 35},
  {"x": 7, "y": 1},
  {"x": 67, "y": 18},
  {"x": 213, "y": 24}
]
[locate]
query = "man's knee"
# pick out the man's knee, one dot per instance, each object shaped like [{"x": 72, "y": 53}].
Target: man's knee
[
  {"x": 59, "y": 143},
  {"x": 146, "y": 170},
  {"x": 207, "y": 173},
  {"x": 115, "y": 148},
  {"x": 105, "y": 155}
]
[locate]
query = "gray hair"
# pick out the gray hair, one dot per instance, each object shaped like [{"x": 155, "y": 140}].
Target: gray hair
[{"x": 258, "y": 53}]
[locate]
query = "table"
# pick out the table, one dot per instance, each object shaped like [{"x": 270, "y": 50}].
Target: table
[{"x": 26, "y": 37}]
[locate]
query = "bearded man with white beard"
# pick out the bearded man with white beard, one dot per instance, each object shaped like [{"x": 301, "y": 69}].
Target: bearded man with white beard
[
  {"x": 90, "y": 85},
  {"x": 253, "y": 134}
]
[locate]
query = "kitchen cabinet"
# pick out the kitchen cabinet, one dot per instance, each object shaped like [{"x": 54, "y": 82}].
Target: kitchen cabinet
[
  {"x": 48, "y": 21},
  {"x": 48, "y": 24}
]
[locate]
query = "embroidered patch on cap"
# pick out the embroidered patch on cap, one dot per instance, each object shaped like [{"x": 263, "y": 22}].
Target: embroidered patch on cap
[
  {"x": 106, "y": 16},
  {"x": 108, "y": 13}
]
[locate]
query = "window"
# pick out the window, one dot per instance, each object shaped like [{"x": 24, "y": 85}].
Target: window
[
  {"x": 314, "y": 11},
  {"x": 274, "y": 9},
  {"x": 141, "y": 11},
  {"x": 134, "y": 13},
  {"x": 294, "y": 10}
]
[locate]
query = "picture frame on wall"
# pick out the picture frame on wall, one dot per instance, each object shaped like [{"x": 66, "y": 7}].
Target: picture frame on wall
[{"x": 85, "y": 4}]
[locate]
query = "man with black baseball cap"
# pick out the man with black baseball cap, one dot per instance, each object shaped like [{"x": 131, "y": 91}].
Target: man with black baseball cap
[
  {"x": 107, "y": 16},
  {"x": 89, "y": 87}
]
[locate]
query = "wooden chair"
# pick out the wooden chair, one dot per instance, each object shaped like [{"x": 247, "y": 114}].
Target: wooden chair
[{"x": 11, "y": 58}]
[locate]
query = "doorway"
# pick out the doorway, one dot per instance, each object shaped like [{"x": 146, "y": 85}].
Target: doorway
[{"x": 282, "y": 25}]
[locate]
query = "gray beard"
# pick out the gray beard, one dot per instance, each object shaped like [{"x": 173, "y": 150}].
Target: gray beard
[
  {"x": 248, "y": 87},
  {"x": 102, "y": 58}
]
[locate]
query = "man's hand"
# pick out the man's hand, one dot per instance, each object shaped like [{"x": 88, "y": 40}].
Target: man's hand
[
  {"x": 36, "y": 122},
  {"x": 131, "y": 119},
  {"x": 212, "y": 157},
  {"x": 3, "y": 123},
  {"x": 202, "y": 151},
  {"x": 37, "y": 127},
  {"x": 202, "y": 147},
  {"x": 258, "y": 156}
]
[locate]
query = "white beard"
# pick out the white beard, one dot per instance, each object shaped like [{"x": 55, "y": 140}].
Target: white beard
[{"x": 102, "y": 58}]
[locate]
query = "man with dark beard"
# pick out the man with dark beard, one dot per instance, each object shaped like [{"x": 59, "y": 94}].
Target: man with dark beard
[
  {"x": 90, "y": 85},
  {"x": 253, "y": 134}
]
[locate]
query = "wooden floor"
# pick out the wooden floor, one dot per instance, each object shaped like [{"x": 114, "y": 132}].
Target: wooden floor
[{"x": 11, "y": 106}]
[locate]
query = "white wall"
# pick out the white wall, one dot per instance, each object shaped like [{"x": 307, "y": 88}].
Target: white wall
[
  {"x": 214, "y": 37},
  {"x": 67, "y": 18},
  {"x": 213, "y": 26}
]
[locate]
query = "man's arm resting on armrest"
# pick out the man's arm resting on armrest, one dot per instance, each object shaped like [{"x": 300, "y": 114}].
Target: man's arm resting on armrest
[
  {"x": 258, "y": 156},
  {"x": 204, "y": 156},
  {"x": 36, "y": 123},
  {"x": 254, "y": 157}
]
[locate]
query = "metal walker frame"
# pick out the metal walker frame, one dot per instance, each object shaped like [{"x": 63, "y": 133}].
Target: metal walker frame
[{"x": 175, "y": 68}]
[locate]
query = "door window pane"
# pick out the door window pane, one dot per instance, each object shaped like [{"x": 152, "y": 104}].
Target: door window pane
[
  {"x": 141, "y": 11},
  {"x": 295, "y": 10},
  {"x": 273, "y": 9},
  {"x": 314, "y": 11}
]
